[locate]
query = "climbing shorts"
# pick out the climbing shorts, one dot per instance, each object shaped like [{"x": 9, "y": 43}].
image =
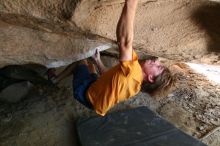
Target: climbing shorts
[{"x": 82, "y": 79}]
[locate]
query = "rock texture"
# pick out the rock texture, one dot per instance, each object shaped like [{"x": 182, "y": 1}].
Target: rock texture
[
  {"x": 36, "y": 31},
  {"x": 21, "y": 45},
  {"x": 182, "y": 30},
  {"x": 62, "y": 30}
]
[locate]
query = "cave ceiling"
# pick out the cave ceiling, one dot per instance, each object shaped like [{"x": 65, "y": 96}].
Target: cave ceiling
[{"x": 58, "y": 32}]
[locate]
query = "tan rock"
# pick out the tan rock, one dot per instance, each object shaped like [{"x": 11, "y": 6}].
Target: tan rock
[
  {"x": 57, "y": 30},
  {"x": 21, "y": 45}
]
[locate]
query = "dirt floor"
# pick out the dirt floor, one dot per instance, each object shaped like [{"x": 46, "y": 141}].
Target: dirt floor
[{"x": 48, "y": 114}]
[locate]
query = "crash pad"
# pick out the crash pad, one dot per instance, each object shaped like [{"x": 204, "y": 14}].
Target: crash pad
[{"x": 134, "y": 127}]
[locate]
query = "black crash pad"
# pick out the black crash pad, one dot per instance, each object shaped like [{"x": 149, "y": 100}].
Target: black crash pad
[{"x": 133, "y": 127}]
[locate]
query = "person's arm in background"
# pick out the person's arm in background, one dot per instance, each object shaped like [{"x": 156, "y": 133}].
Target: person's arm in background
[
  {"x": 125, "y": 30},
  {"x": 100, "y": 65}
]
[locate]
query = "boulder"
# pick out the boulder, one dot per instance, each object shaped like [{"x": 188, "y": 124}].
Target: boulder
[{"x": 58, "y": 32}]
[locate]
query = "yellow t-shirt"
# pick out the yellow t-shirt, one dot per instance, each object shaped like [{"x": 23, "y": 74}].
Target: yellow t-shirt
[{"x": 116, "y": 85}]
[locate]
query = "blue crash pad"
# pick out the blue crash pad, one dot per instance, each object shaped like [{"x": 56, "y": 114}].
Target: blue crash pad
[{"x": 134, "y": 127}]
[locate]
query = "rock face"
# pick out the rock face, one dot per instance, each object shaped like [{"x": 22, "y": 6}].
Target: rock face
[
  {"x": 30, "y": 32},
  {"x": 57, "y": 32},
  {"x": 172, "y": 29},
  {"x": 24, "y": 45}
]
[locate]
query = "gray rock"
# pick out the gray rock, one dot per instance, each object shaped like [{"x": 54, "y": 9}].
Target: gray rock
[{"x": 15, "y": 92}]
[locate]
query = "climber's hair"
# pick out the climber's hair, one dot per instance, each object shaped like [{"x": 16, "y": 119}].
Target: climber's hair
[{"x": 162, "y": 86}]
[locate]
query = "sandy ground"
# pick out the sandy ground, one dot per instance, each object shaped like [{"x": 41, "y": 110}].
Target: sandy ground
[{"x": 47, "y": 115}]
